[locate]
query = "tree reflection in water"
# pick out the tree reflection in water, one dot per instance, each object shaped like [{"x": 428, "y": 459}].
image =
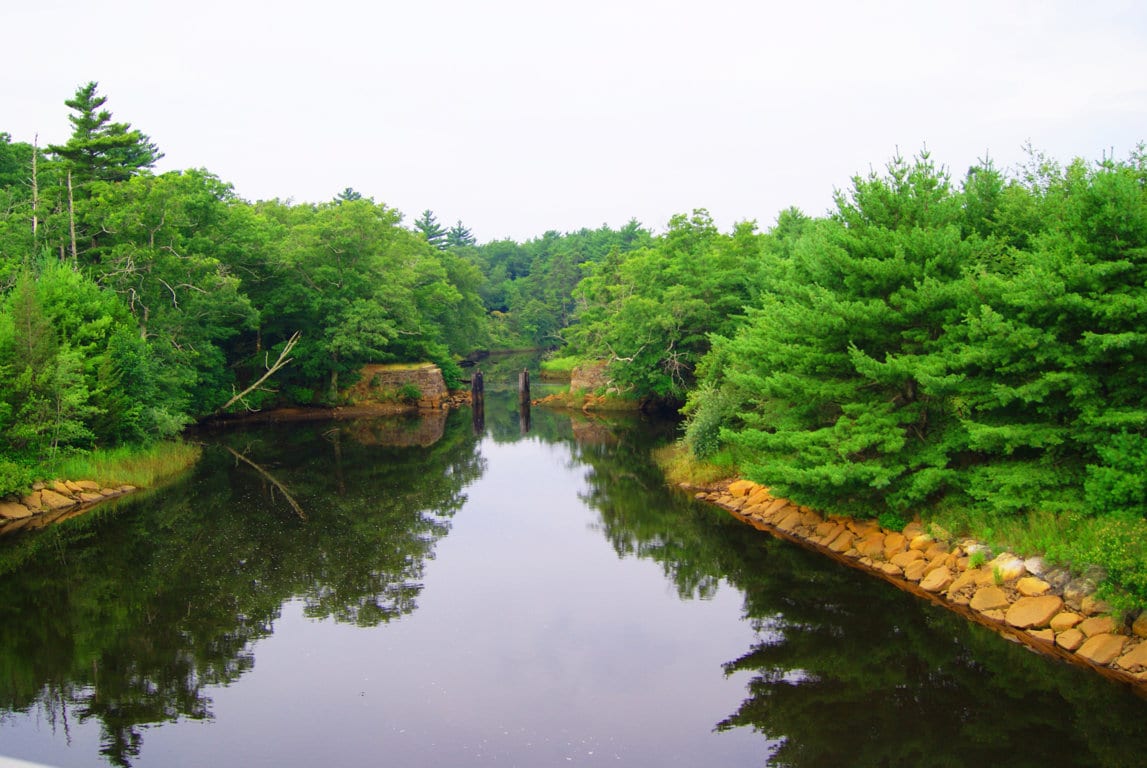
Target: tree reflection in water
[
  {"x": 160, "y": 598},
  {"x": 850, "y": 671}
]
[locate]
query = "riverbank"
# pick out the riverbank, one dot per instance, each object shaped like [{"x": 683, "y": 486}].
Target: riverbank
[
  {"x": 107, "y": 474},
  {"x": 1044, "y": 607},
  {"x": 54, "y": 502}
]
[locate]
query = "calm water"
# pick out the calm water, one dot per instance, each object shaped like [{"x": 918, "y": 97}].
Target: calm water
[{"x": 453, "y": 597}]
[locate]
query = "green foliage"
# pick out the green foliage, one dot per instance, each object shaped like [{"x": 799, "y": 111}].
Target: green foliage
[
  {"x": 409, "y": 393},
  {"x": 15, "y": 477},
  {"x": 892, "y": 521},
  {"x": 98, "y": 149}
]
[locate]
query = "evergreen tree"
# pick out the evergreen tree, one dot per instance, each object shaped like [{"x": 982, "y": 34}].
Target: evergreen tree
[
  {"x": 428, "y": 225},
  {"x": 459, "y": 236},
  {"x": 839, "y": 361},
  {"x": 98, "y": 149}
]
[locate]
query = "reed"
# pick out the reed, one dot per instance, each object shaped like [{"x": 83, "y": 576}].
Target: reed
[{"x": 141, "y": 466}]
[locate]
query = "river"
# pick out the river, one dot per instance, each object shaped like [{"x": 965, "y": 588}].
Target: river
[{"x": 450, "y": 593}]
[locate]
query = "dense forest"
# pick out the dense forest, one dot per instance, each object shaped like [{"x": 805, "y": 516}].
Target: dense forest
[{"x": 973, "y": 344}]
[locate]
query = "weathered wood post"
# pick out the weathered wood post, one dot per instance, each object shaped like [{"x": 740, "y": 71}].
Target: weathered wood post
[
  {"x": 524, "y": 400},
  {"x": 478, "y": 401}
]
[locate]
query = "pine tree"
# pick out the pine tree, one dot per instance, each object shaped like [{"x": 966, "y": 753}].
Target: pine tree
[
  {"x": 98, "y": 149},
  {"x": 459, "y": 236},
  {"x": 428, "y": 225}
]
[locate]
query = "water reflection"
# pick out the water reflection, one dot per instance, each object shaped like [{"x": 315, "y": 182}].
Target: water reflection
[
  {"x": 134, "y": 615},
  {"x": 849, "y": 671},
  {"x": 150, "y": 605}
]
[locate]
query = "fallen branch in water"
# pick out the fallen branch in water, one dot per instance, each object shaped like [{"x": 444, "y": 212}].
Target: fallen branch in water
[
  {"x": 271, "y": 370},
  {"x": 282, "y": 488}
]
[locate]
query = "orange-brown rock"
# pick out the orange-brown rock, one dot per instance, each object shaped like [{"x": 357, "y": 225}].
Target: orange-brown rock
[
  {"x": 1033, "y": 612},
  {"x": 905, "y": 558},
  {"x": 922, "y": 541},
  {"x": 1069, "y": 639},
  {"x": 33, "y": 500},
  {"x": 937, "y": 580},
  {"x": 739, "y": 488},
  {"x": 90, "y": 497},
  {"x": 1065, "y": 621},
  {"x": 1097, "y": 625},
  {"x": 1101, "y": 649},
  {"x": 890, "y": 569},
  {"x": 790, "y": 521},
  {"x": 53, "y": 500},
  {"x": 964, "y": 579},
  {"x": 912, "y": 530},
  {"x": 87, "y": 485},
  {"x": 843, "y": 542},
  {"x": 995, "y": 614},
  {"x": 10, "y": 510},
  {"x": 59, "y": 486},
  {"x": 1140, "y": 626},
  {"x": 1135, "y": 659},
  {"x": 989, "y": 598},
  {"x": 914, "y": 571},
  {"x": 1045, "y": 635},
  {"x": 760, "y": 496},
  {"x": 937, "y": 549},
  {"x": 1030, "y": 586},
  {"x": 871, "y": 545}
]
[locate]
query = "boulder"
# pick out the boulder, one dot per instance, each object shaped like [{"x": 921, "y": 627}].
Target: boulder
[
  {"x": 920, "y": 542},
  {"x": 742, "y": 487},
  {"x": 1097, "y": 625},
  {"x": 871, "y": 545},
  {"x": 965, "y": 579},
  {"x": 843, "y": 542},
  {"x": 1135, "y": 659},
  {"x": 1046, "y": 635},
  {"x": 1139, "y": 627},
  {"x": 937, "y": 580},
  {"x": 1030, "y": 586},
  {"x": 1069, "y": 639},
  {"x": 914, "y": 571},
  {"x": 10, "y": 510},
  {"x": 890, "y": 570},
  {"x": 1033, "y": 612},
  {"x": 905, "y": 558},
  {"x": 989, "y": 598},
  {"x": 1062, "y": 622},
  {"x": 87, "y": 485},
  {"x": 1101, "y": 649},
  {"x": 1008, "y": 566},
  {"x": 53, "y": 500}
]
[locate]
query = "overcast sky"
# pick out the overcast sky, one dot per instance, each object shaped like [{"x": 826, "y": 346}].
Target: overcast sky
[{"x": 522, "y": 116}]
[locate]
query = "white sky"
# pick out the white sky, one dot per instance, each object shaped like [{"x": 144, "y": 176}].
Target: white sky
[{"x": 519, "y": 116}]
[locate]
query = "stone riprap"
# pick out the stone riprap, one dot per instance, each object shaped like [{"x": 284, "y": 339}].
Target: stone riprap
[
  {"x": 1044, "y": 606},
  {"x": 52, "y": 502}
]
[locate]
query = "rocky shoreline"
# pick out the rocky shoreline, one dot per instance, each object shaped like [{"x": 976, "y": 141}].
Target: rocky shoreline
[
  {"x": 52, "y": 502},
  {"x": 1046, "y": 608}
]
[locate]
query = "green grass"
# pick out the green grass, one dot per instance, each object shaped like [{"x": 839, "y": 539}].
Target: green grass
[
  {"x": 558, "y": 367},
  {"x": 141, "y": 466},
  {"x": 680, "y": 466}
]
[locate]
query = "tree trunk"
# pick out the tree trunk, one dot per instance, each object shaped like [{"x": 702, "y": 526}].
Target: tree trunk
[
  {"x": 72, "y": 218},
  {"x": 35, "y": 193}
]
